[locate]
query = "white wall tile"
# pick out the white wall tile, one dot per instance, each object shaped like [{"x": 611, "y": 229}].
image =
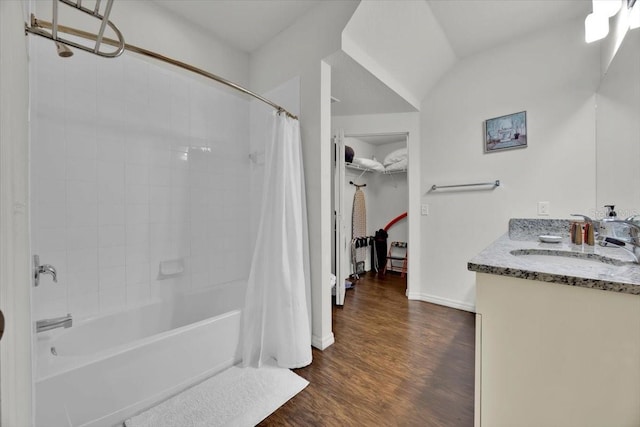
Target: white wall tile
[
  {"x": 111, "y": 214},
  {"x": 82, "y": 192},
  {"x": 79, "y": 169},
  {"x": 137, "y": 234},
  {"x": 81, "y": 142},
  {"x": 111, "y": 277},
  {"x": 51, "y": 240},
  {"x": 51, "y": 214},
  {"x": 82, "y": 238},
  {"x": 133, "y": 164},
  {"x": 112, "y": 256},
  {"x": 111, "y": 235},
  {"x": 137, "y": 295},
  {"x": 137, "y": 194},
  {"x": 113, "y": 299},
  {"x": 137, "y": 274},
  {"x": 136, "y": 173},
  {"x": 81, "y": 260},
  {"x": 160, "y": 176},
  {"x": 137, "y": 213},
  {"x": 111, "y": 147},
  {"x": 84, "y": 305},
  {"x": 137, "y": 254},
  {"x": 82, "y": 282},
  {"x": 82, "y": 215}
]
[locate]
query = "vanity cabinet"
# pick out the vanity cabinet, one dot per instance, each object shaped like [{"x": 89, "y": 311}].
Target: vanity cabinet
[{"x": 550, "y": 354}]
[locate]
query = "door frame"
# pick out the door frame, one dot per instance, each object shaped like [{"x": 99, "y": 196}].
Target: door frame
[
  {"x": 16, "y": 401},
  {"x": 341, "y": 134}
]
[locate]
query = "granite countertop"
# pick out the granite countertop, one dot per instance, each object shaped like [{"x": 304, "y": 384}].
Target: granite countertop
[{"x": 618, "y": 272}]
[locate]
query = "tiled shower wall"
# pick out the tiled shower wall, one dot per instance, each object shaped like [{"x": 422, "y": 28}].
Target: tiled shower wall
[{"x": 133, "y": 163}]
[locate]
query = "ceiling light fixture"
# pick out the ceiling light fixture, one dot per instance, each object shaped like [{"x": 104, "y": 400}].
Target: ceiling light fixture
[
  {"x": 606, "y": 8},
  {"x": 634, "y": 16},
  {"x": 596, "y": 27}
]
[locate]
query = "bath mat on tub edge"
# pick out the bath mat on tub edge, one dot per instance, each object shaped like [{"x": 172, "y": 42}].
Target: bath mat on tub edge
[{"x": 235, "y": 397}]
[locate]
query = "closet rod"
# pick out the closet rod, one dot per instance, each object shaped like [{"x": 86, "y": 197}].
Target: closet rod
[{"x": 37, "y": 24}]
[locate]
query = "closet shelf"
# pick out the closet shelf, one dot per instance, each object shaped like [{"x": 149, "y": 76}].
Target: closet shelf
[{"x": 363, "y": 169}]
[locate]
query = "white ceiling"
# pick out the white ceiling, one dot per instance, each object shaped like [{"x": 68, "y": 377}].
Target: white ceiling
[
  {"x": 470, "y": 26},
  {"x": 244, "y": 24},
  {"x": 359, "y": 91},
  {"x": 476, "y": 25}
]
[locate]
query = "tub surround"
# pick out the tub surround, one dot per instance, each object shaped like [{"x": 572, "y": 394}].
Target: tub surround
[
  {"x": 618, "y": 273},
  {"x": 549, "y": 354}
]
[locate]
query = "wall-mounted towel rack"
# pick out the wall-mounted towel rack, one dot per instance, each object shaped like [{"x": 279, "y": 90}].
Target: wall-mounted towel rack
[{"x": 494, "y": 184}]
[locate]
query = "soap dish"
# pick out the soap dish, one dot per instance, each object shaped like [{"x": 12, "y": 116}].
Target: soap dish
[{"x": 546, "y": 238}]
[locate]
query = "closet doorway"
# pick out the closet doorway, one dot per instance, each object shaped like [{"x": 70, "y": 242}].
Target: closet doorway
[{"x": 371, "y": 201}]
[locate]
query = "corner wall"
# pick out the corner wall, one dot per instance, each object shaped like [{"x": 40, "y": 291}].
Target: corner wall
[
  {"x": 298, "y": 51},
  {"x": 553, "y": 76}
]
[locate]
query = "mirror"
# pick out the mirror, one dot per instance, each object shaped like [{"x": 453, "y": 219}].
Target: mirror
[{"x": 618, "y": 131}]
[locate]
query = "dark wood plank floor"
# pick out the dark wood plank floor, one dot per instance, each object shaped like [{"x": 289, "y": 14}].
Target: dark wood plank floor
[{"x": 395, "y": 362}]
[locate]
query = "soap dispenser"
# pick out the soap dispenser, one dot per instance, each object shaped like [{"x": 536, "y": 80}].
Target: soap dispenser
[{"x": 607, "y": 227}]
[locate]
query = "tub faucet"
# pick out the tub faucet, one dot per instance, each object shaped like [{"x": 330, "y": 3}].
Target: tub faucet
[
  {"x": 632, "y": 240},
  {"x": 56, "y": 322}
]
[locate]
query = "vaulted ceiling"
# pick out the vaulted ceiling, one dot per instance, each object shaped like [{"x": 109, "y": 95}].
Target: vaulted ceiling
[{"x": 394, "y": 54}]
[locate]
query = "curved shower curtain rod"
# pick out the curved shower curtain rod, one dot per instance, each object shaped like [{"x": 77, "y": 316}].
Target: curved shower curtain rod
[{"x": 37, "y": 25}]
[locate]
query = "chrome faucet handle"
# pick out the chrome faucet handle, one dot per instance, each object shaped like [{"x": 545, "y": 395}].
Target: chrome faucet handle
[
  {"x": 586, "y": 218},
  {"x": 43, "y": 269},
  {"x": 595, "y": 224}
]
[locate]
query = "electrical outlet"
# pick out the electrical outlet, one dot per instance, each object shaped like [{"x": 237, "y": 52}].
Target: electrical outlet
[
  {"x": 424, "y": 208},
  {"x": 543, "y": 208}
]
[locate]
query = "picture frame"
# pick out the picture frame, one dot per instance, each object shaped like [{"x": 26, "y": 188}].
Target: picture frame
[{"x": 505, "y": 132}]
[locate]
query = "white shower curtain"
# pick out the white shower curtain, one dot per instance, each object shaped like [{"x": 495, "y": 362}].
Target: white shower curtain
[{"x": 276, "y": 323}]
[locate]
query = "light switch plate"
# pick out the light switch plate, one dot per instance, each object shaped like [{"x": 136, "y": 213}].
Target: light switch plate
[
  {"x": 543, "y": 208},
  {"x": 424, "y": 209}
]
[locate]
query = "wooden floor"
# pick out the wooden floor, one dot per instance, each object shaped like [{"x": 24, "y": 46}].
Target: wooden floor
[{"x": 395, "y": 362}]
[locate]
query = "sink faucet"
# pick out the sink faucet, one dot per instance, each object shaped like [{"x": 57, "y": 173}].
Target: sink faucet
[
  {"x": 633, "y": 240},
  {"x": 56, "y": 322}
]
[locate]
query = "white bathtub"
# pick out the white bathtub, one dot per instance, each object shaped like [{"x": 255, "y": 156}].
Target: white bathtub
[{"x": 106, "y": 369}]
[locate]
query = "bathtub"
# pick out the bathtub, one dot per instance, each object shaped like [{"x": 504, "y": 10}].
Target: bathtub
[{"x": 103, "y": 370}]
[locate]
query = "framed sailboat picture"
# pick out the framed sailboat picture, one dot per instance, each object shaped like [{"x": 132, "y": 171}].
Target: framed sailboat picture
[{"x": 505, "y": 132}]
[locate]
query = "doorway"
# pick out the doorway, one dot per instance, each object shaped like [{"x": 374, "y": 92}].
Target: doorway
[{"x": 370, "y": 204}]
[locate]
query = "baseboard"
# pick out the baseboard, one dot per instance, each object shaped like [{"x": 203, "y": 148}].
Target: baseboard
[
  {"x": 322, "y": 343},
  {"x": 442, "y": 301}
]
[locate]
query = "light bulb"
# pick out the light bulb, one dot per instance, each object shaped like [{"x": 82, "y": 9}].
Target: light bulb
[
  {"x": 596, "y": 27},
  {"x": 606, "y": 8}
]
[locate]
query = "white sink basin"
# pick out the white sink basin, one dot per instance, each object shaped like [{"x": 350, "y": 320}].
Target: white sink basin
[{"x": 571, "y": 259}]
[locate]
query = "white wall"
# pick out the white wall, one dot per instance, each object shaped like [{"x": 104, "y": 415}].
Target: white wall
[
  {"x": 408, "y": 123},
  {"x": 553, "y": 76},
  {"x": 133, "y": 164},
  {"x": 298, "y": 51},
  {"x": 618, "y": 29},
  {"x": 618, "y": 131},
  {"x": 382, "y": 37},
  {"x": 15, "y": 261}
]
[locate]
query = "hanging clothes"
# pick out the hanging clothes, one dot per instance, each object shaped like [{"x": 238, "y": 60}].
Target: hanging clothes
[{"x": 276, "y": 322}]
